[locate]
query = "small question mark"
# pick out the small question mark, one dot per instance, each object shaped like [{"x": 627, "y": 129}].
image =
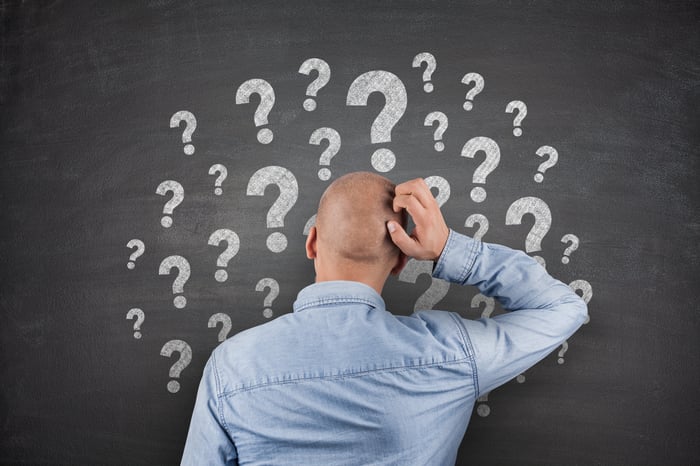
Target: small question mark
[
  {"x": 437, "y": 290},
  {"x": 140, "y": 317},
  {"x": 394, "y": 92},
  {"x": 274, "y": 288},
  {"x": 309, "y": 223},
  {"x": 223, "y": 173},
  {"x": 333, "y": 139},
  {"x": 190, "y": 126},
  {"x": 483, "y": 409},
  {"x": 573, "y": 239},
  {"x": 226, "y": 324},
  {"x": 324, "y": 75},
  {"x": 586, "y": 292},
  {"x": 140, "y": 249},
  {"x": 183, "y": 361},
  {"x": 429, "y": 60},
  {"x": 549, "y": 163},
  {"x": 493, "y": 157},
  {"x": 522, "y": 113},
  {"x": 440, "y": 117},
  {"x": 183, "y": 274},
  {"x": 267, "y": 101},
  {"x": 178, "y": 196},
  {"x": 480, "y": 220},
  {"x": 478, "y": 81},
  {"x": 543, "y": 220},
  {"x": 442, "y": 186},
  {"x": 562, "y": 351},
  {"x": 233, "y": 245},
  {"x": 289, "y": 192},
  {"x": 488, "y": 302}
]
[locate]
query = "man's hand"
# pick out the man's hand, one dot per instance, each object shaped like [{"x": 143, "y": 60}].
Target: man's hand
[{"x": 430, "y": 235}]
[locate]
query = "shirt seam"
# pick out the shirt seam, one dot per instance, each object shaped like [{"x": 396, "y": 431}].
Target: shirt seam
[
  {"x": 470, "y": 262},
  {"x": 468, "y": 349},
  {"x": 334, "y": 300}
]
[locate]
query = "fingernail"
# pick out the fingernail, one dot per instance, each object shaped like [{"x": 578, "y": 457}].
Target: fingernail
[{"x": 391, "y": 227}]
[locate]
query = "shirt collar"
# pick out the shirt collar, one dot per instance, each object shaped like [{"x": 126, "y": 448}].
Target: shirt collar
[{"x": 335, "y": 292}]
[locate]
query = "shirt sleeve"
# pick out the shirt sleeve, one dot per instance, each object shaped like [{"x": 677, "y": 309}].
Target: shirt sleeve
[
  {"x": 545, "y": 311},
  {"x": 208, "y": 443}
]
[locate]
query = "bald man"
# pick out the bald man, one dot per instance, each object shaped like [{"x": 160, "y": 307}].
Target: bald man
[{"x": 342, "y": 381}]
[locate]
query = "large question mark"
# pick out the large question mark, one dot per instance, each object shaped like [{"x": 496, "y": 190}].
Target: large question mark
[
  {"x": 442, "y": 186},
  {"x": 223, "y": 173},
  {"x": 183, "y": 361},
  {"x": 478, "y": 81},
  {"x": 190, "y": 126},
  {"x": 233, "y": 244},
  {"x": 394, "y": 92},
  {"x": 333, "y": 139},
  {"x": 480, "y": 220},
  {"x": 289, "y": 192},
  {"x": 140, "y": 249},
  {"x": 489, "y": 303},
  {"x": 437, "y": 290},
  {"x": 274, "y": 287},
  {"x": 430, "y": 120},
  {"x": 569, "y": 238},
  {"x": 493, "y": 157},
  {"x": 225, "y": 321},
  {"x": 522, "y": 112},
  {"x": 430, "y": 65},
  {"x": 267, "y": 101},
  {"x": 140, "y": 317},
  {"x": 543, "y": 220},
  {"x": 586, "y": 292},
  {"x": 183, "y": 274},
  {"x": 324, "y": 75},
  {"x": 549, "y": 163},
  {"x": 178, "y": 196}
]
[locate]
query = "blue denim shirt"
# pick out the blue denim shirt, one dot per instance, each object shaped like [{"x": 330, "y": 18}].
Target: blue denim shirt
[{"x": 342, "y": 381}]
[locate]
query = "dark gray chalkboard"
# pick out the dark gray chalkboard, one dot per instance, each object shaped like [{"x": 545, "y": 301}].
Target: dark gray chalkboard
[{"x": 87, "y": 95}]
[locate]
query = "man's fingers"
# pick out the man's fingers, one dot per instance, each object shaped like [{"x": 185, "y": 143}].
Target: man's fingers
[
  {"x": 418, "y": 189},
  {"x": 401, "y": 239}
]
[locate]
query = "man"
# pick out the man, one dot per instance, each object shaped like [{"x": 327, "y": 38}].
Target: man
[{"x": 341, "y": 380}]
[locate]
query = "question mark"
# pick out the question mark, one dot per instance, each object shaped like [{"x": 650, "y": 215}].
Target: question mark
[
  {"x": 178, "y": 196},
  {"x": 267, "y": 101},
  {"x": 223, "y": 173},
  {"x": 574, "y": 246},
  {"x": 140, "y": 317},
  {"x": 233, "y": 244},
  {"x": 324, "y": 75},
  {"x": 309, "y": 223},
  {"x": 437, "y": 290},
  {"x": 274, "y": 288},
  {"x": 493, "y": 157},
  {"x": 522, "y": 113},
  {"x": 440, "y": 117},
  {"x": 394, "y": 92},
  {"x": 478, "y": 81},
  {"x": 543, "y": 220},
  {"x": 183, "y": 361},
  {"x": 289, "y": 192},
  {"x": 140, "y": 249},
  {"x": 586, "y": 292},
  {"x": 333, "y": 139},
  {"x": 442, "y": 186},
  {"x": 226, "y": 324},
  {"x": 562, "y": 351},
  {"x": 488, "y": 302},
  {"x": 480, "y": 220},
  {"x": 183, "y": 275},
  {"x": 429, "y": 60},
  {"x": 190, "y": 126},
  {"x": 549, "y": 163}
]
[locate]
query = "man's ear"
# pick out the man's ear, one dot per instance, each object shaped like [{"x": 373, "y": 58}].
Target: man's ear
[
  {"x": 311, "y": 244},
  {"x": 400, "y": 263}
]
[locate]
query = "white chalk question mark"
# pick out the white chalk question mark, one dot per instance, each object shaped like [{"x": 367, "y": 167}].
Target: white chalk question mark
[
  {"x": 569, "y": 238},
  {"x": 333, "y": 139},
  {"x": 430, "y": 65},
  {"x": 522, "y": 113},
  {"x": 273, "y": 286},
  {"x": 232, "y": 246},
  {"x": 309, "y": 223},
  {"x": 178, "y": 196},
  {"x": 190, "y": 126},
  {"x": 183, "y": 361},
  {"x": 140, "y": 249},
  {"x": 225, "y": 322},
  {"x": 223, "y": 173},
  {"x": 547, "y": 164},
  {"x": 562, "y": 352},
  {"x": 480, "y": 220},
  {"x": 478, "y": 81},
  {"x": 488, "y": 302},
  {"x": 543, "y": 220},
  {"x": 586, "y": 292},
  {"x": 442, "y": 186},
  {"x": 394, "y": 92},
  {"x": 183, "y": 274},
  {"x": 324, "y": 75},
  {"x": 289, "y": 192},
  {"x": 437, "y": 290},
  {"x": 140, "y": 317},
  {"x": 267, "y": 101},
  {"x": 491, "y": 161},
  {"x": 430, "y": 120}
]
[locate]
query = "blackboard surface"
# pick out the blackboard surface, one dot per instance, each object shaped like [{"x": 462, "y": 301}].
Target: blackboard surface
[{"x": 87, "y": 94}]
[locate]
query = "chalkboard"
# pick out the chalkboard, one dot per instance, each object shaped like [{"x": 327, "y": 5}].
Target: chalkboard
[{"x": 569, "y": 128}]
